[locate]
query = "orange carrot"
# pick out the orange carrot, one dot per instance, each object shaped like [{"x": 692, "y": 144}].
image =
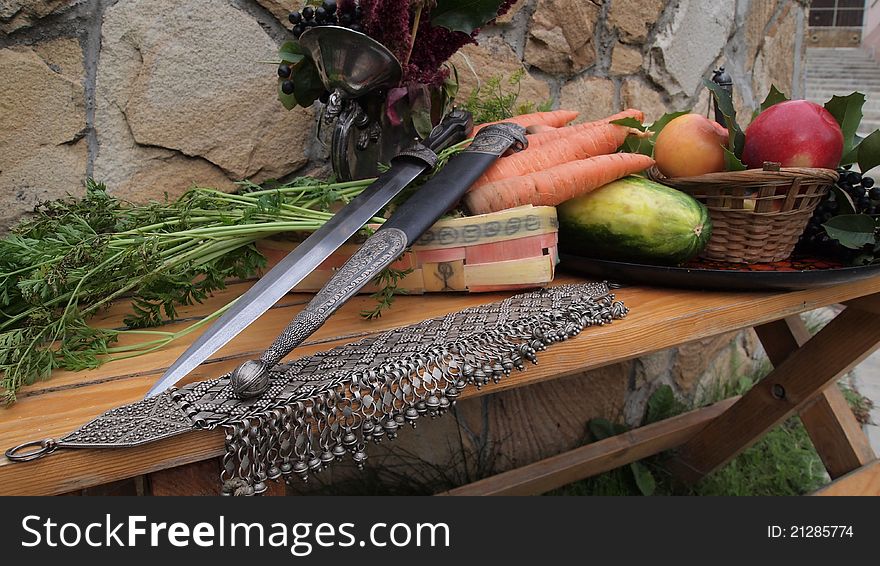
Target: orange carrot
[
  {"x": 557, "y": 184},
  {"x": 543, "y": 137},
  {"x": 556, "y": 119},
  {"x": 598, "y": 140},
  {"x": 627, "y": 113},
  {"x": 538, "y": 128}
]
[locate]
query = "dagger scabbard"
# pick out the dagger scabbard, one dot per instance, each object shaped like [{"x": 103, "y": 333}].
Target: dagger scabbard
[
  {"x": 406, "y": 225},
  {"x": 379, "y": 251}
]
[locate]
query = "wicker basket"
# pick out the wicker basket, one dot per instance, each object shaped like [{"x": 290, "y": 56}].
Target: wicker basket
[{"x": 757, "y": 215}]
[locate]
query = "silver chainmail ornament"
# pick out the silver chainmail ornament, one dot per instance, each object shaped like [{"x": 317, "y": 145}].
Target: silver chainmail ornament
[{"x": 330, "y": 405}]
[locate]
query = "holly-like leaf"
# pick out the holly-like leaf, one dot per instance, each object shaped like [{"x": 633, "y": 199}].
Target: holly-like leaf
[
  {"x": 844, "y": 202},
  {"x": 736, "y": 137},
  {"x": 732, "y": 162},
  {"x": 464, "y": 15},
  {"x": 661, "y": 122},
  {"x": 291, "y": 53},
  {"x": 852, "y": 155},
  {"x": 869, "y": 152},
  {"x": 847, "y": 110},
  {"x": 287, "y": 100},
  {"x": 633, "y": 144},
  {"x": 775, "y": 96},
  {"x": 645, "y": 146},
  {"x": 853, "y": 231},
  {"x": 307, "y": 84},
  {"x": 630, "y": 122}
]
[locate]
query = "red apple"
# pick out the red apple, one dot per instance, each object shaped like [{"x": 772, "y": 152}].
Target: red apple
[{"x": 795, "y": 133}]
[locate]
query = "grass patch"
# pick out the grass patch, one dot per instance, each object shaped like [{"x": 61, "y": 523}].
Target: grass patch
[{"x": 783, "y": 462}]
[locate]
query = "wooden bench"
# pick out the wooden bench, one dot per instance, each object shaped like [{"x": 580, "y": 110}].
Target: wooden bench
[{"x": 801, "y": 383}]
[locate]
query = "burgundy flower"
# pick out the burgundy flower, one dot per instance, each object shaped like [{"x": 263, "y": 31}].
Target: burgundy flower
[
  {"x": 433, "y": 47},
  {"x": 388, "y": 22}
]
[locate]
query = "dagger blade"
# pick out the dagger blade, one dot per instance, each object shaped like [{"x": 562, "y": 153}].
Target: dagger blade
[{"x": 304, "y": 259}]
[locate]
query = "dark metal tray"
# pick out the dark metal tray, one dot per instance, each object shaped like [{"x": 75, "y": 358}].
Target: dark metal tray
[{"x": 784, "y": 276}]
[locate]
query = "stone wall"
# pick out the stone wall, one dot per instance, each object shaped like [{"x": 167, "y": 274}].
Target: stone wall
[{"x": 154, "y": 96}]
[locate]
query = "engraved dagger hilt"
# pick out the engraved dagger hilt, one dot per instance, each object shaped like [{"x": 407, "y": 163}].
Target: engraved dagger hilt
[{"x": 380, "y": 250}]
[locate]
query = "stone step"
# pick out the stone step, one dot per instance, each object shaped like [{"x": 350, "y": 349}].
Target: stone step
[
  {"x": 870, "y": 107},
  {"x": 837, "y": 73},
  {"x": 843, "y": 90},
  {"x": 875, "y": 73},
  {"x": 872, "y": 104},
  {"x": 840, "y": 61},
  {"x": 869, "y": 91},
  {"x": 843, "y": 74}
]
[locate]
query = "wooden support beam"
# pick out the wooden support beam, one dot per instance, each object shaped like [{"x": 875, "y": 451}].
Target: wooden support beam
[
  {"x": 595, "y": 458},
  {"x": 864, "y": 481},
  {"x": 835, "y": 350},
  {"x": 837, "y": 435},
  {"x": 870, "y": 303}
]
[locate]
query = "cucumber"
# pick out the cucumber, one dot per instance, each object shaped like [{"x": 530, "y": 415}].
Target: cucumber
[{"x": 636, "y": 220}]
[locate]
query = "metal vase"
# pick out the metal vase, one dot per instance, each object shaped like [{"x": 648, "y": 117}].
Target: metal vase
[{"x": 357, "y": 70}]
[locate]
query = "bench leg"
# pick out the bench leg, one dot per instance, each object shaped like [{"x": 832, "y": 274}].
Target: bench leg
[
  {"x": 789, "y": 388},
  {"x": 837, "y": 435}
]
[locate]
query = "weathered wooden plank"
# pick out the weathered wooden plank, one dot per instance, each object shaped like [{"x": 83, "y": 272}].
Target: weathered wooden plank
[
  {"x": 862, "y": 481},
  {"x": 597, "y": 457},
  {"x": 198, "y": 478},
  {"x": 836, "y": 349},
  {"x": 837, "y": 435}
]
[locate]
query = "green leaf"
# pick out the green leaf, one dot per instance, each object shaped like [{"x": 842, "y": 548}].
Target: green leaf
[
  {"x": 773, "y": 97},
  {"x": 852, "y": 155},
  {"x": 451, "y": 84},
  {"x": 847, "y": 110},
  {"x": 844, "y": 202},
  {"x": 662, "y": 404},
  {"x": 288, "y": 100},
  {"x": 291, "y": 53},
  {"x": 852, "y": 230},
  {"x": 600, "y": 429},
  {"x": 630, "y": 122},
  {"x": 736, "y": 137},
  {"x": 661, "y": 122},
  {"x": 464, "y": 15},
  {"x": 644, "y": 478},
  {"x": 732, "y": 162},
  {"x": 645, "y": 146},
  {"x": 421, "y": 119},
  {"x": 869, "y": 152},
  {"x": 307, "y": 84}
]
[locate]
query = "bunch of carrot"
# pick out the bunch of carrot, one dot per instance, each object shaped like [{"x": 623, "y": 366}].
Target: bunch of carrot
[{"x": 561, "y": 162}]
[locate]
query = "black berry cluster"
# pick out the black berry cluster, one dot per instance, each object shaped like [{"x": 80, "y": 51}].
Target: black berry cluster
[
  {"x": 326, "y": 14},
  {"x": 865, "y": 198}
]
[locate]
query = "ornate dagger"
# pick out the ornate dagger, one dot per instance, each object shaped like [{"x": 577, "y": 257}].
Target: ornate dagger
[
  {"x": 405, "y": 226},
  {"x": 308, "y": 255}
]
